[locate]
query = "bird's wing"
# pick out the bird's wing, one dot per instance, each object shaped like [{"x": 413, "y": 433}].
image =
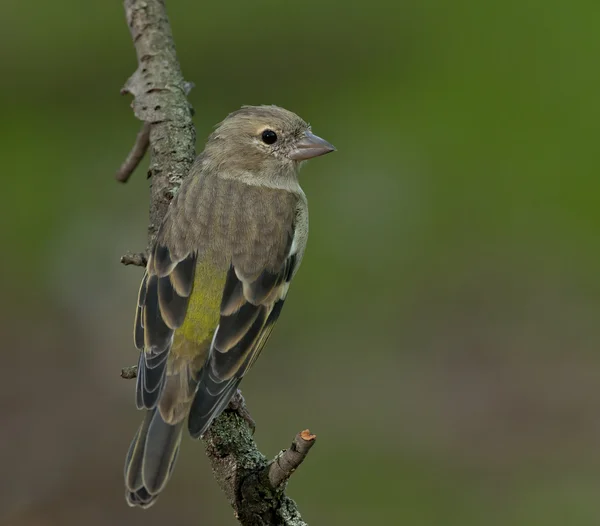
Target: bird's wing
[
  {"x": 202, "y": 319},
  {"x": 161, "y": 309},
  {"x": 249, "y": 309}
]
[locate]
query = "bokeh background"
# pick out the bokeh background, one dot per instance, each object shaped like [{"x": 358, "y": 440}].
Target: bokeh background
[{"x": 442, "y": 336}]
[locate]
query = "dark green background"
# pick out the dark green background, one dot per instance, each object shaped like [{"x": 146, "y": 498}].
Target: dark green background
[{"x": 442, "y": 336}]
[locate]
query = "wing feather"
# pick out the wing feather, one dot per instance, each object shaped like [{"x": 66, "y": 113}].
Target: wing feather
[
  {"x": 162, "y": 306},
  {"x": 253, "y": 294},
  {"x": 249, "y": 310}
]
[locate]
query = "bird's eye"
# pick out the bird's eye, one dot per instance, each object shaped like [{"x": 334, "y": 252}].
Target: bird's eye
[{"x": 269, "y": 137}]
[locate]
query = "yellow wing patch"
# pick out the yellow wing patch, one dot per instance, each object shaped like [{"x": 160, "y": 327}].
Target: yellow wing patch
[{"x": 203, "y": 312}]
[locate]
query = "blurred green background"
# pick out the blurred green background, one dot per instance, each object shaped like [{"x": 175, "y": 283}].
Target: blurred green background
[{"x": 444, "y": 327}]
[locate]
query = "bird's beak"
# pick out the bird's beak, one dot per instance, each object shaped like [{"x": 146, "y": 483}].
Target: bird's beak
[{"x": 310, "y": 146}]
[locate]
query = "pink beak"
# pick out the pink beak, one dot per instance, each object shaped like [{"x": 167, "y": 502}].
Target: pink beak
[{"x": 310, "y": 146}]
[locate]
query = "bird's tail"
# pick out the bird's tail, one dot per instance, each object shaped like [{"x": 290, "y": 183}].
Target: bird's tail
[{"x": 150, "y": 459}]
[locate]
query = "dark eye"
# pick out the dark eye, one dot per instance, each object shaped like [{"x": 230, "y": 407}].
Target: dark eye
[{"x": 269, "y": 137}]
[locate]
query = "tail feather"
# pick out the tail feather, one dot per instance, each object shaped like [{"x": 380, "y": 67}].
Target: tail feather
[
  {"x": 135, "y": 455},
  {"x": 150, "y": 459}
]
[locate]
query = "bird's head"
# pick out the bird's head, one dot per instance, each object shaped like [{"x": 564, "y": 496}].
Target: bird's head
[{"x": 265, "y": 140}]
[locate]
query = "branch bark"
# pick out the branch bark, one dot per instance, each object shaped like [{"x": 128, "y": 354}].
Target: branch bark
[
  {"x": 254, "y": 486},
  {"x": 160, "y": 102}
]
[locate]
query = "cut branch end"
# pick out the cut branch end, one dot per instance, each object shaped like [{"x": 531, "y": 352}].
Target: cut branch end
[{"x": 282, "y": 467}]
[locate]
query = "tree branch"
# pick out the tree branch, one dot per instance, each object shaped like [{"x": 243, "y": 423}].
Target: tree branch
[
  {"x": 160, "y": 102},
  {"x": 288, "y": 461},
  {"x": 135, "y": 155},
  {"x": 254, "y": 486}
]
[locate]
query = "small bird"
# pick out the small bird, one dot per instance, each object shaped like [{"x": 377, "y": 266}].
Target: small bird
[{"x": 215, "y": 283}]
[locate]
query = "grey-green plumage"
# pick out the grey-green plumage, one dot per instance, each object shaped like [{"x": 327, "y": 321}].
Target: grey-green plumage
[{"x": 215, "y": 282}]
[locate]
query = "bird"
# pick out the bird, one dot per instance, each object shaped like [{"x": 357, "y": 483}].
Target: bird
[{"x": 215, "y": 282}]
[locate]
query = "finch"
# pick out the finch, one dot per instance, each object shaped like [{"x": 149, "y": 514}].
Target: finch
[{"x": 215, "y": 283}]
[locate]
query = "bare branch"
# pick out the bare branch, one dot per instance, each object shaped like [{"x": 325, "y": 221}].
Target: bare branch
[
  {"x": 254, "y": 486},
  {"x": 142, "y": 140},
  {"x": 135, "y": 155},
  {"x": 242, "y": 472},
  {"x": 288, "y": 461},
  {"x": 159, "y": 91}
]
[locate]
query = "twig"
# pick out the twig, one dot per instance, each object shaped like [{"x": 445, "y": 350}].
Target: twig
[
  {"x": 139, "y": 260},
  {"x": 242, "y": 472},
  {"x": 129, "y": 372},
  {"x": 282, "y": 467},
  {"x": 142, "y": 140},
  {"x": 135, "y": 155},
  {"x": 253, "y": 486}
]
